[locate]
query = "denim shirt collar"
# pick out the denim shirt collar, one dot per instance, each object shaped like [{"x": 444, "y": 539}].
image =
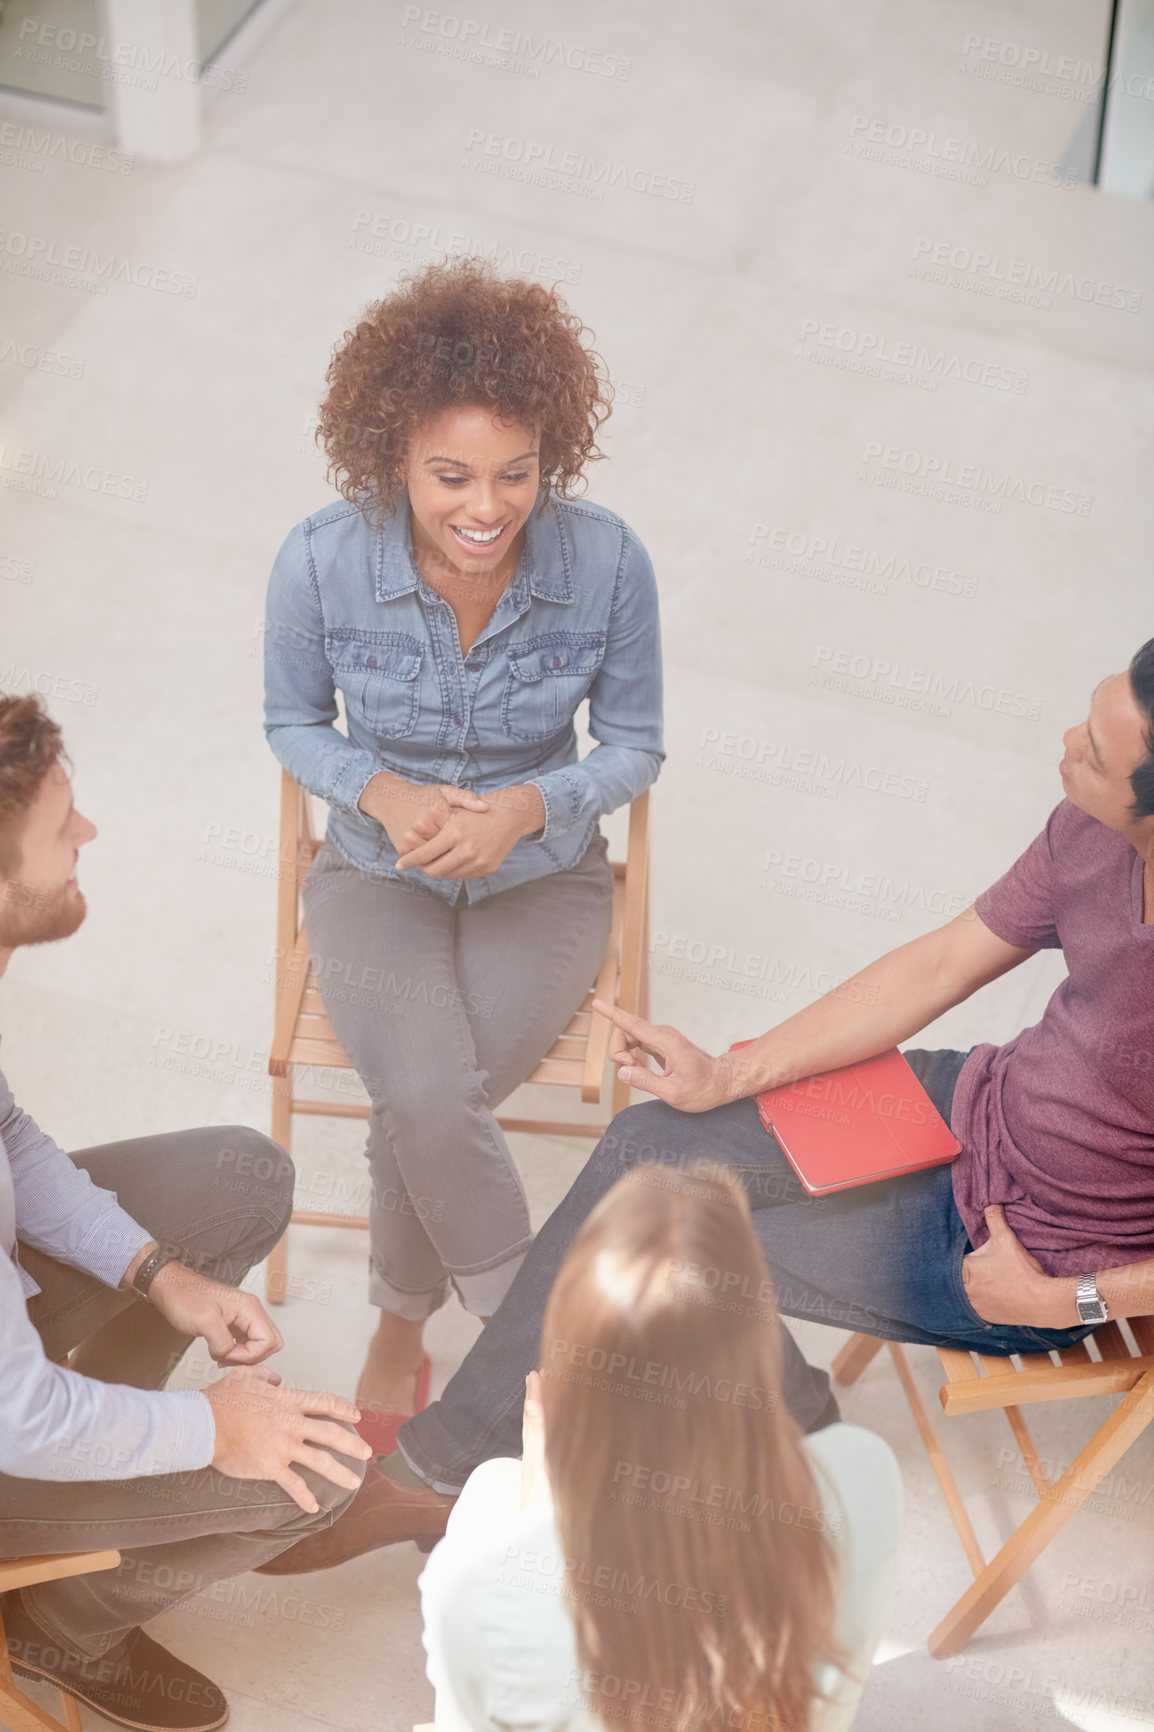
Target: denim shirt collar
[{"x": 543, "y": 569}]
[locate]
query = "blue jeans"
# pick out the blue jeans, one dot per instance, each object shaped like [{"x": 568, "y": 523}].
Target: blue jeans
[{"x": 883, "y": 1258}]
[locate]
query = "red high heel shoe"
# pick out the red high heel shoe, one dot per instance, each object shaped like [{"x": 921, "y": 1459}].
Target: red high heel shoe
[{"x": 380, "y": 1429}]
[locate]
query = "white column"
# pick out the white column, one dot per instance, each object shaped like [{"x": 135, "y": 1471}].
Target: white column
[{"x": 155, "y": 99}]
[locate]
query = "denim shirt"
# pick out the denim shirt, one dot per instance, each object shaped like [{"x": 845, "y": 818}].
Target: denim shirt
[{"x": 348, "y": 614}]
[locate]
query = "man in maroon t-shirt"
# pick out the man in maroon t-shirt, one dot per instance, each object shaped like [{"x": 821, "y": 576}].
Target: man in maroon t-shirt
[
  {"x": 1043, "y": 1226},
  {"x": 1055, "y": 1182}
]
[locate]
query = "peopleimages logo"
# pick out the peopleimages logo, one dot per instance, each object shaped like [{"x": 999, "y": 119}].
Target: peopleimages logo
[
  {"x": 1057, "y": 75},
  {"x": 1015, "y": 279},
  {"x": 37, "y": 148},
  {"x": 61, "y": 688},
  {"x": 997, "y": 485},
  {"x": 1062, "y": 67},
  {"x": 845, "y": 345},
  {"x": 37, "y": 255},
  {"x": 801, "y": 875},
  {"x": 851, "y": 563},
  {"x": 941, "y": 154},
  {"x": 806, "y": 770},
  {"x": 40, "y": 472},
  {"x": 897, "y": 680},
  {"x": 528, "y": 159},
  {"x": 385, "y": 235},
  {"x": 472, "y": 35},
  {"x": 55, "y": 44},
  {"x": 39, "y": 360}
]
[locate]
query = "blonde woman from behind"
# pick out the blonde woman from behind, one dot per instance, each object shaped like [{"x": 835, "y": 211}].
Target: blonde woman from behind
[{"x": 671, "y": 1553}]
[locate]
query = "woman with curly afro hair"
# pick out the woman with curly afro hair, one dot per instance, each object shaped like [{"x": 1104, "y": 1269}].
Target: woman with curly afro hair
[{"x": 462, "y": 602}]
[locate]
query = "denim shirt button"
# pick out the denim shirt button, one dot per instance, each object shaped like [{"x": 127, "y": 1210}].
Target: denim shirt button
[{"x": 577, "y": 623}]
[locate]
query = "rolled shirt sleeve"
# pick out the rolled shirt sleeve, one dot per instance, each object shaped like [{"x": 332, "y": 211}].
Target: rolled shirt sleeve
[
  {"x": 300, "y": 695},
  {"x": 1020, "y": 906},
  {"x": 625, "y": 711}
]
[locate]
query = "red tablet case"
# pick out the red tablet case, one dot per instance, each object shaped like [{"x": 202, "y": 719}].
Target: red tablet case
[{"x": 856, "y": 1125}]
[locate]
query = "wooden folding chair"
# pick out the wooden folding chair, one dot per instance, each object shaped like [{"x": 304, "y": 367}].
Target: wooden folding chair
[
  {"x": 302, "y": 1034},
  {"x": 975, "y": 1381},
  {"x": 18, "y": 1712}
]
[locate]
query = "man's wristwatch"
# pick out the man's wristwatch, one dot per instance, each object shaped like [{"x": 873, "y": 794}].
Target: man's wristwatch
[
  {"x": 155, "y": 1261},
  {"x": 1090, "y": 1303}
]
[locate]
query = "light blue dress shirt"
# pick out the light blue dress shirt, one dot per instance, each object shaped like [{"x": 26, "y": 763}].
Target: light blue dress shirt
[
  {"x": 55, "y": 1424},
  {"x": 349, "y": 615}
]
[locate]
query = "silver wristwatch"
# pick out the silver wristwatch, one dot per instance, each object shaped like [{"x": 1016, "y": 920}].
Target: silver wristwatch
[{"x": 1090, "y": 1303}]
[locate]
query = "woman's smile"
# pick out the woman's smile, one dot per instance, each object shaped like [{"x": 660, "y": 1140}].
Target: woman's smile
[{"x": 479, "y": 540}]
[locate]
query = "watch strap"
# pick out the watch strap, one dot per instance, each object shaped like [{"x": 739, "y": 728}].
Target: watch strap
[
  {"x": 166, "y": 1252},
  {"x": 1090, "y": 1303}
]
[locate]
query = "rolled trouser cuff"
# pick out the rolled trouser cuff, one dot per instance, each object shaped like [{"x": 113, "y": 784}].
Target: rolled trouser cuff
[{"x": 413, "y": 1307}]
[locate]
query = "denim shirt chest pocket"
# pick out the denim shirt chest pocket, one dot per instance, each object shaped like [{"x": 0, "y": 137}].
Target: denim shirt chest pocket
[
  {"x": 379, "y": 674},
  {"x": 548, "y": 677}
]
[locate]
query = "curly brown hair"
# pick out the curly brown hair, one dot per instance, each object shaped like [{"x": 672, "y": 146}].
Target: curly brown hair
[
  {"x": 457, "y": 333},
  {"x": 30, "y": 743}
]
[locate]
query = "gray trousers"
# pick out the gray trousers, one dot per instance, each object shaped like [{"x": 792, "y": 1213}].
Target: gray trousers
[
  {"x": 177, "y": 1533},
  {"x": 443, "y": 1009}
]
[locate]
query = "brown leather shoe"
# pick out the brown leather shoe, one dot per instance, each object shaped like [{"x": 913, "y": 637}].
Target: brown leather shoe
[{"x": 381, "y": 1514}]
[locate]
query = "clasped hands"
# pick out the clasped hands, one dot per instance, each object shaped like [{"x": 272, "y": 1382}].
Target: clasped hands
[
  {"x": 1004, "y": 1282},
  {"x": 450, "y": 832}
]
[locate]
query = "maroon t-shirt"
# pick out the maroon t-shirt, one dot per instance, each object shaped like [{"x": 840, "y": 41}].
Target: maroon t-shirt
[{"x": 1058, "y": 1124}]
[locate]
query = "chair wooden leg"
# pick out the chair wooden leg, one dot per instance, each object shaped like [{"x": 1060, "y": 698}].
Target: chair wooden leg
[
  {"x": 1029, "y": 1454},
  {"x": 276, "y": 1266},
  {"x": 853, "y": 1358},
  {"x": 276, "y": 1271},
  {"x": 643, "y": 985},
  {"x": 1085, "y": 1473},
  {"x": 938, "y": 1462},
  {"x": 19, "y": 1713}
]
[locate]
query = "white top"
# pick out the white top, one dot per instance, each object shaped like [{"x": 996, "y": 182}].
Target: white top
[{"x": 502, "y": 1651}]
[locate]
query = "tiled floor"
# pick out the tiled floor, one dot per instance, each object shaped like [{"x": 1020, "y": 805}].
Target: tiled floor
[{"x": 773, "y": 335}]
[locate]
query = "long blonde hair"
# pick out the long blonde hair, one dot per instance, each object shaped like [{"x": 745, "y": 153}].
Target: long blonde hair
[{"x": 699, "y": 1571}]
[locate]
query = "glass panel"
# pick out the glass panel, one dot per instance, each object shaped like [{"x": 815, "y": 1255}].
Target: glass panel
[
  {"x": 215, "y": 22},
  {"x": 1066, "y": 75},
  {"x": 1128, "y": 135},
  {"x": 54, "y": 48}
]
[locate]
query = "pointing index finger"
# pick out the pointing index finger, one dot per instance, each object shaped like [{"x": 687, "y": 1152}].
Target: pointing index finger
[{"x": 634, "y": 1026}]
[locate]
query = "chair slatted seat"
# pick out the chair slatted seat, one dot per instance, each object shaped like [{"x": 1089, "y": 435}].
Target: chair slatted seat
[{"x": 977, "y": 1382}]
